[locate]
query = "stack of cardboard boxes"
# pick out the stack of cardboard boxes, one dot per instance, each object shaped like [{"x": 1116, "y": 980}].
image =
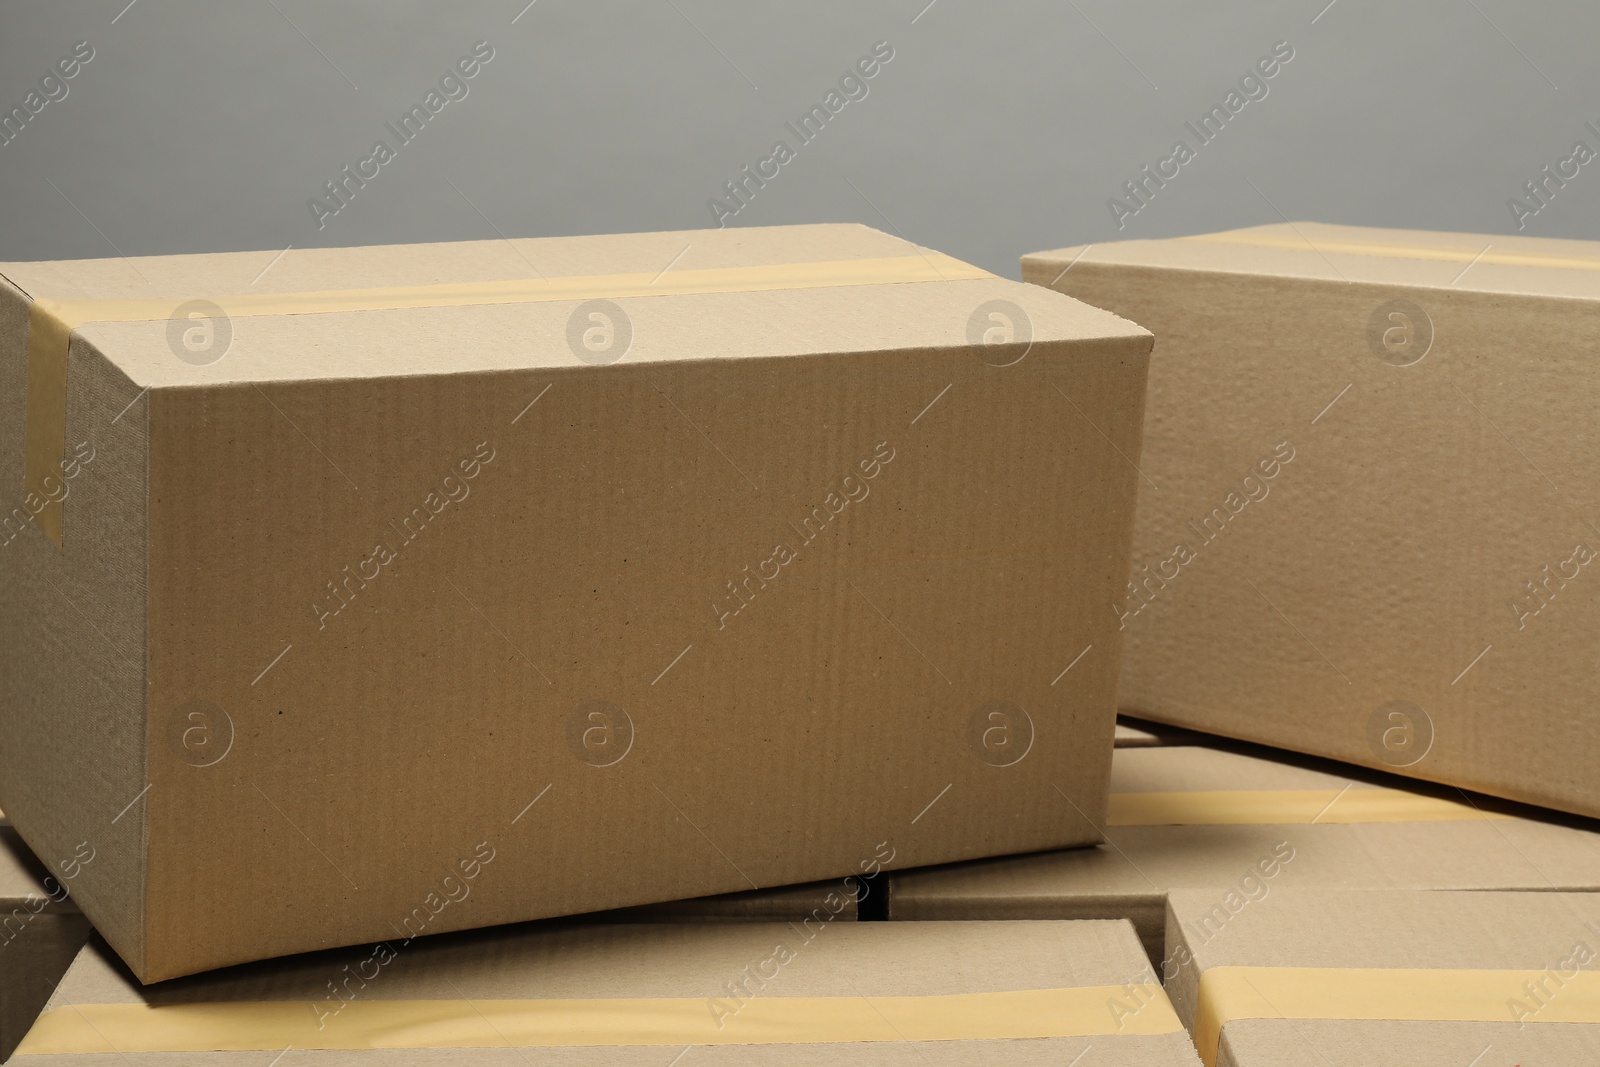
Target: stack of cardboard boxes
[{"x": 496, "y": 629}]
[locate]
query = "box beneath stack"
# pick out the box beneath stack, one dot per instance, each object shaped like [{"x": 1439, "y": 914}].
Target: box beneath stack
[
  {"x": 770, "y": 995},
  {"x": 40, "y": 932},
  {"x": 1390, "y": 978},
  {"x": 1244, "y": 828}
]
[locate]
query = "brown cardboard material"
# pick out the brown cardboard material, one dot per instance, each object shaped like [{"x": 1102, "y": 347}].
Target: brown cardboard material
[
  {"x": 821, "y": 901},
  {"x": 1133, "y": 737},
  {"x": 1132, "y": 733},
  {"x": 691, "y": 976},
  {"x": 1439, "y": 840},
  {"x": 417, "y": 614},
  {"x": 40, "y": 932},
  {"x": 1391, "y": 978},
  {"x": 1365, "y": 525}
]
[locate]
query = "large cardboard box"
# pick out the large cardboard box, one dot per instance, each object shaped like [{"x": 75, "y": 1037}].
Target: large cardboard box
[
  {"x": 449, "y": 585},
  {"x": 769, "y": 995},
  {"x": 1233, "y": 823},
  {"x": 40, "y": 932},
  {"x": 1390, "y": 979},
  {"x": 1367, "y": 497}
]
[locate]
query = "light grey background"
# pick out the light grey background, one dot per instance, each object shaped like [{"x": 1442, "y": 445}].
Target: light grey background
[{"x": 998, "y": 128}]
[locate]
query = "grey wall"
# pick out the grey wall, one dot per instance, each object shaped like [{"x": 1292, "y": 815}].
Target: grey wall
[{"x": 997, "y": 128}]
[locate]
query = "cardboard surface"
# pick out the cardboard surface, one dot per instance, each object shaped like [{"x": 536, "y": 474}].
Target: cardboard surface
[
  {"x": 528, "y": 634},
  {"x": 1135, "y": 734},
  {"x": 817, "y": 900},
  {"x": 1133, "y": 737},
  {"x": 730, "y": 973},
  {"x": 40, "y": 932},
  {"x": 1366, "y": 520},
  {"x": 1256, "y": 827},
  {"x": 1465, "y": 950}
]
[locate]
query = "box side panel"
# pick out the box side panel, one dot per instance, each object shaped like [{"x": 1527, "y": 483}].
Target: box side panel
[
  {"x": 1374, "y": 529},
  {"x": 73, "y": 626},
  {"x": 527, "y": 644}
]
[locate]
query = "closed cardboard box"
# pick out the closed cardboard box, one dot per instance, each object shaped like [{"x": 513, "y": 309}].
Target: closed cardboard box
[
  {"x": 770, "y": 995},
  {"x": 1391, "y": 979},
  {"x": 1366, "y": 516},
  {"x": 40, "y": 932},
  {"x": 429, "y": 587},
  {"x": 1243, "y": 828}
]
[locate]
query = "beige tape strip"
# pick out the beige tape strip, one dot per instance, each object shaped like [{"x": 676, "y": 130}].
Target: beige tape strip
[
  {"x": 378, "y": 1024},
  {"x": 1396, "y": 251},
  {"x": 1371, "y": 993},
  {"x": 50, "y": 323},
  {"x": 1284, "y": 807}
]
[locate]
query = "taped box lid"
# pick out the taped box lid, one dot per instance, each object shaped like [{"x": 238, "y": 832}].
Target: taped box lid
[
  {"x": 1183, "y": 817},
  {"x": 1367, "y": 522},
  {"x": 784, "y": 561},
  {"x": 774, "y": 994},
  {"x": 1386, "y": 977}
]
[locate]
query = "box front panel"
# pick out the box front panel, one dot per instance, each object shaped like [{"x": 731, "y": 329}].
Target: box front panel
[{"x": 431, "y": 653}]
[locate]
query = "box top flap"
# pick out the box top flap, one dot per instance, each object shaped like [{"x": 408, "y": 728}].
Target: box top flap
[
  {"x": 1539, "y": 266},
  {"x": 386, "y": 311}
]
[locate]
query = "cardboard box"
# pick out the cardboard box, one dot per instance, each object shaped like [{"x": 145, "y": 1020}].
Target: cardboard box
[
  {"x": 1236, "y": 824},
  {"x": 40, "y": 932},
  {"x": 1365, "y": 516},
  {"x": 647, "y": 568},
  {"x": 1390, "y": 978},
  {"x": 775, "y": 995},
  {"x": 816, "y": 900}
]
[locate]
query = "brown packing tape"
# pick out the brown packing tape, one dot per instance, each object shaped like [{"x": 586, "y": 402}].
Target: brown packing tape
[
  {"x": 50, "y": 323},
  {"x": 1227, "y": 994},
  {"x": 1393, "y": 251},
  {"x": 673, "y": 1021}
]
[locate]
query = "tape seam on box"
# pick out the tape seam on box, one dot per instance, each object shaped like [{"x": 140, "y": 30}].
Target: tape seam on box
[
  {"x": 51, "y": 322},
  {"x": 1371, "y": 994},
  {"x": 1088, "y": 1011}
]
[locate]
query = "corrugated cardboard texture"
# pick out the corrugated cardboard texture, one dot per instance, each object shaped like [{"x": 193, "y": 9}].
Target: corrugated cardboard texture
[
  {"x": 40, "y": 932},
  {"x": 1130, "y": 875},
  {"x": 72, "y": 680},
  {"x": 850, "y": 961},
  {"x": 1386, "y": 929},
  {"x": 425, "y": 588},
  {"x": 1397, "y": 564}
]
